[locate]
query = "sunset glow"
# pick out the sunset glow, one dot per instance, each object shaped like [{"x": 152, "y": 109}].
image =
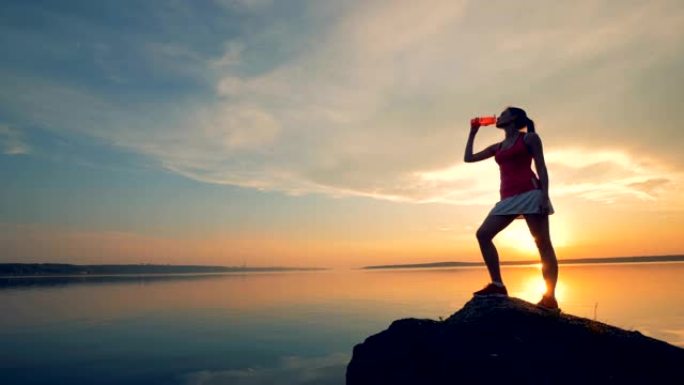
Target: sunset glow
[
  {"x": 533, "y": 288},
  {"x": 250, "y": 191},
  {"x": 332, "y": 133}
]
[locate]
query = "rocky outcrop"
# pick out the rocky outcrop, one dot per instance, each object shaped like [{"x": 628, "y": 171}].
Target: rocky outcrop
[{"x": 494, "y": 340}]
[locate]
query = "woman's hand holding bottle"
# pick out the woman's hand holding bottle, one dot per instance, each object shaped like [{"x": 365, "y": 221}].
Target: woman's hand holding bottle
[{"x": 476, "y": 123}]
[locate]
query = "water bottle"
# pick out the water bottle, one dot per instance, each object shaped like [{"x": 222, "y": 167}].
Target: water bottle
[{"x": 485, "y": 120}]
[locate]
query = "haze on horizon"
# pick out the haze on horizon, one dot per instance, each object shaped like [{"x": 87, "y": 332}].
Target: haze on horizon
[{"x": 331, "y": 133}]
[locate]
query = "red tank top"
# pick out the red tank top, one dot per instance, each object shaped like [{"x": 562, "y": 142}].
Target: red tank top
[{"x": 515, "y": 165}]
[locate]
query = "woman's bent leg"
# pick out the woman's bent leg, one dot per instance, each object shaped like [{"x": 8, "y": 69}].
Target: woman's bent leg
[
  {"x": 539, "y": 227},
  {"x": 491, "y": 226}
]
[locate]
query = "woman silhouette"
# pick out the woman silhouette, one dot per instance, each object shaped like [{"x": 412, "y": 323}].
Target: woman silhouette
[{"x": 523, "y": 194}]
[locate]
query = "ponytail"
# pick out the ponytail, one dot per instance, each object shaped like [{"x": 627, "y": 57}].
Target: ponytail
[
  {"x": 530, "y": 125},
  {"x": 521, "y": 119}
]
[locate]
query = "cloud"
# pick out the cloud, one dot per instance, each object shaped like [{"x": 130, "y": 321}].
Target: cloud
[
  {"x": 12, "y": 141},
  {"x": 374, "y": 102},
  {"x": 326, "y": 370},
  {"x": 651, "y": 186},
  {"x": 251, "y": 5},
  {"x": 350, "y": 112},
  {"x": 592, "y": 174},
  {"x": 610, "y": 175}
]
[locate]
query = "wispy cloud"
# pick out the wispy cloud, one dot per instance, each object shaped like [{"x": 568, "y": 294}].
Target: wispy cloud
[
  {"x": 375, "y": 102},
  {"x": 611, "y": 175},
  {"x": 245, "y": 4},
  {"x": 12, "y": 141},
  {"x": 592, "y": 174}
]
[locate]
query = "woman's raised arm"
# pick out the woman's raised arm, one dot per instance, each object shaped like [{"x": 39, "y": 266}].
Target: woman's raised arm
[{"x": 469, "y": 157}]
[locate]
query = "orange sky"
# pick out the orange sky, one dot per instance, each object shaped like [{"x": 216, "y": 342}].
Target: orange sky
[{"x": 332, "y": 133}]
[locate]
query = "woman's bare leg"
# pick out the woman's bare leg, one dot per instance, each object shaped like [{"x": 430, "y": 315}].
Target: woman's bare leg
[
  {"x": 539, "y": 227},
  {"x": 491, "y": 226}
]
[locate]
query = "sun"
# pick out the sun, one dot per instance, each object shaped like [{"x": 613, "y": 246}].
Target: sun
[
  {"x": 517, "y": 236},
  {"x": 534, "y": 287}
]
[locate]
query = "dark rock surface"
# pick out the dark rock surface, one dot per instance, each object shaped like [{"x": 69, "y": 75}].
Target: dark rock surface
[{"x": 509, "y": 341}]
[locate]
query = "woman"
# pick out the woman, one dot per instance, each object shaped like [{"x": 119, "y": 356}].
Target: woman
[{"x": 523, "y": 194}]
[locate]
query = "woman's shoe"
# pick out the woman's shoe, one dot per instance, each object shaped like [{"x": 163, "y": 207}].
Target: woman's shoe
[
  {"x": 549, "y": 303},
  {"x": 492, "y": 290}
]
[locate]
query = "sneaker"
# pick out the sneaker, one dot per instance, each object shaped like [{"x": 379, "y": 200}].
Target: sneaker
[
  {"x": 549, "y": 303},
  {"x": 492, "y": 290}
]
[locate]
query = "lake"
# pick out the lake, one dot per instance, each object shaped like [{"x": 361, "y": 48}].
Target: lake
[{"x": 279, "y": 328}]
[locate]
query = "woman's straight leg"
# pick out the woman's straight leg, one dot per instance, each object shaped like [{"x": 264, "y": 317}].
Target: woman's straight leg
[{"x": 539, "y": 227}]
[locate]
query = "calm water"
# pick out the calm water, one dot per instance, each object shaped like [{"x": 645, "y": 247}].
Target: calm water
[{"x": 280, "y": 328}]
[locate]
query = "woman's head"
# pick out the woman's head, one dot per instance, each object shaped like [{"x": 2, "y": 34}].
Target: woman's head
[{"x": 516, "y": 118}]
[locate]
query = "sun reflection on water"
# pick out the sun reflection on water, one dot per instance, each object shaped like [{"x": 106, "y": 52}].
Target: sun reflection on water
[{"x": 533, "y": 287}]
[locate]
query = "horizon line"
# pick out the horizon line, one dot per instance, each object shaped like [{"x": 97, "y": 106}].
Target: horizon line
[{"x": 627, "y": 259}]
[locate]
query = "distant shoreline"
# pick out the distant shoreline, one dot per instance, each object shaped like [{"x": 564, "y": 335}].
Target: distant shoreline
[
  {"x": 641, "y": 259},
  {"x": 29, "y": 270},
  {"x": 20, "y": 270}
]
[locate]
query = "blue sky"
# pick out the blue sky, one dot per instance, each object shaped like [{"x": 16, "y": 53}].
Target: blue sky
[{"x": 279, "y": 131}]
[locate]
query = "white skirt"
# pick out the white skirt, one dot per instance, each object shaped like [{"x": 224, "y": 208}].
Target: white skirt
[{"x": 528, "y": 202}]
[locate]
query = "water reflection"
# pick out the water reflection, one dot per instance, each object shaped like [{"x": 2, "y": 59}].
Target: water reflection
[
  {"x": 58, "y": 281},
  {"x": 225, "y": 328},
  {"x": 291, "y": 370},
  {"x": 624, "y": 294},
  {"x": 532, "y": 287}
]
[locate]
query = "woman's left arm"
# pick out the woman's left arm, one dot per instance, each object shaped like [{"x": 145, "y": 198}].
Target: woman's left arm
[{"x": 535, "y": 145}]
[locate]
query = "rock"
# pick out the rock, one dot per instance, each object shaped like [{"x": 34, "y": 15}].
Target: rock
[{"x": 496, "y": 340}]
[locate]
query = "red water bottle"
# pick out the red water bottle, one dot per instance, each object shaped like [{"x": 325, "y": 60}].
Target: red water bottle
[{"x": 484, "y": 120}]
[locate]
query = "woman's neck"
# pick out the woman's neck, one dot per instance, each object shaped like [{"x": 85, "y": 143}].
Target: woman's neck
[{"x": 512, "y": 133}]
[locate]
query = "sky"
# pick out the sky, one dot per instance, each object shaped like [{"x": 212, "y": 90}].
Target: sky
[{"x": 331, "y": 133}]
